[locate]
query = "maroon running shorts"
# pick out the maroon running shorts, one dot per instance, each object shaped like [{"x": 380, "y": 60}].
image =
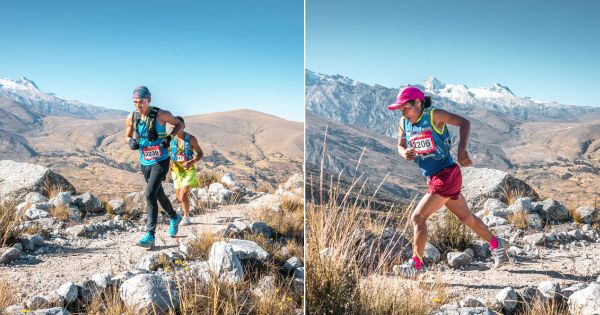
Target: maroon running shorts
[{"x": 446, "y": 183}]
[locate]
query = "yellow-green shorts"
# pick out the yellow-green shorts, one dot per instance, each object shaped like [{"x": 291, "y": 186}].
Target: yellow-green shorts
[{"x": 187, "y": 178}]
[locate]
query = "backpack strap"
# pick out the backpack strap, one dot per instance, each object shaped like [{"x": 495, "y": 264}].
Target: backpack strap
[
  {"x": 187, "y": 147},
  {"x": 135, "y": 121}
]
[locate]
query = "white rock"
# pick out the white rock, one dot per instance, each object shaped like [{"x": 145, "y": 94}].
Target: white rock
[
  {"x": 224, "y": 263},
  {"x": 586, "y": 301},
  {"x": 245, "y": 250},
  {"x": 150, "y": 293},
  {"x": 508, "y": 298},
  {"x": 68, "y": 292}
]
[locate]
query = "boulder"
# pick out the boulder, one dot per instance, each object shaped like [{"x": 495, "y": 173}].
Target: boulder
[
  {"x": 431, "y": 254},
  {"x": 8, "y": 254},
  {"x": 480, "y": 184},
  {"x": 554, "y": 210},
  {"x": 68, "y": 293},
  {"x": 228, "y": 180},
  {"x": 35, "y": 197},
  {"x": 224, "y": 263},
  {"x": 149, "y": 293},
  {"x": 586, "y": 301},
  {"x": 492, "y": 221},
  {"x": 508, "y": 298},
  {"x": 248, "y": 250},
  {"x": 521, "y": 205},
  {"x": 458, "y": 259},
  {"x": 534, "y": 221},
  {"x": 19, "y": 179},
  {"x": 494, "y": 204},
  {"x": 117, "y": 206},
  {"x": 102, "y": 280},
  {"x": 261, "y": 228},
  {"x": 62, "y": 199},
  {"x": 89, "y": 203},
  {"x": 292, "y": 264},
  {"x": 588, "y": 214},
  {"x": 550, "y": 290}
]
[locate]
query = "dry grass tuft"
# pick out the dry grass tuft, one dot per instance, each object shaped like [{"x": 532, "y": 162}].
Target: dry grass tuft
[
  {"x": 51, "y": 190},
  {"x": 200, "y": 248},
  {"x": 109, "y": 209},
  {"x": 291, "y": 204},
  {"x": 448, "y": 233},
  {"x": 60, "y": 212},
  {"x": 266, "y": 188},
  {"x": 540, "y": 307},
  {"x": 410, "y": 298},
  {"x": 9, "y": 223},
  {"x": 518, "y": 219},
  {"x": 206, "y": 177},
  {"x": 283, "y": 222},
  {"x": 109, "y": 303},
  {"x": 510, "y": 195},
  {"x": 7, "y": 295}
]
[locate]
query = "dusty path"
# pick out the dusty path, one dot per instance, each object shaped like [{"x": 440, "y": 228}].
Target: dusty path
[
  {"x": 79, "y": 259},
  {"x": 566, "y": 267}
]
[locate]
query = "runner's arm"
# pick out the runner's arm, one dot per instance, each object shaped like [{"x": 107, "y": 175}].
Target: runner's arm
[
  {"x": 165, "y": 116},
  {"x": 407, "y": 154},
  {"x": 128, "y": 128},
  {"x": 196, "y": 147},
  {"x": 442, "y": 117}
]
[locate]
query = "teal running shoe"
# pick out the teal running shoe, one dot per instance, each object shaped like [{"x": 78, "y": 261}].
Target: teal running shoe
[
  {"x": 147, "y": 241},
  {"x": 174, "y": 225}
]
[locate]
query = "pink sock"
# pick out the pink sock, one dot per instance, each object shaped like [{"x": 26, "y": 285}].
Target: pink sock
[
  {"x": 494, "y": 242},
  {"x": 417, "y": 262}
]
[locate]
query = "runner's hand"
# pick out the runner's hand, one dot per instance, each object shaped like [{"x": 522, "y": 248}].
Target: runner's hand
[
  {"x": 166, "y": 142},
  {"x": 133, "y": 144},
  {"x": 463, "y": 158},
  {"x": 409, "y": 154},
  {"x": 187, "y": 164}
]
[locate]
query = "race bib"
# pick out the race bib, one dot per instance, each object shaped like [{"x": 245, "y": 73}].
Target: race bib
[
  {"x": 151, "y": 153},
  {"x": 180, "y": 157},
  {"x": 423, "y": 142}
]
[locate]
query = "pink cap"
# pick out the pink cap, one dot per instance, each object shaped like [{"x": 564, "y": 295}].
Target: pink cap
[{"x": 409, "y": 93}]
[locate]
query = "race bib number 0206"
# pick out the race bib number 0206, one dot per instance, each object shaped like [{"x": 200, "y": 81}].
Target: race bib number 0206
[
  {"x": 423, "y": 142},
  {"x": 180, "y": 157},
  {"x": 151, "y": 153}
]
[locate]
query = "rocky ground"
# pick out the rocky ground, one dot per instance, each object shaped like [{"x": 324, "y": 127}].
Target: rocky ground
[
  {"x": 553, "y": 253},
  {"x": 93, "y": 244}
]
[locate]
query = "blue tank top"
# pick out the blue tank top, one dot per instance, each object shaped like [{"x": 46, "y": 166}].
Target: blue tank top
[
  {"x": 431, "y": 145},
  {"x": 152, "y": 152}
]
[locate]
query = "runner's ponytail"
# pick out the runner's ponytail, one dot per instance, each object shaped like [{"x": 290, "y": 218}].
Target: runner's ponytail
[{"x": 427, "y": 101}]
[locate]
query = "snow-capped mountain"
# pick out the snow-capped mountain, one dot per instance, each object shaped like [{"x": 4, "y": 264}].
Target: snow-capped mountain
[
  {"x": 39, "y": 103},
  {"x": 352, "y": 102}
]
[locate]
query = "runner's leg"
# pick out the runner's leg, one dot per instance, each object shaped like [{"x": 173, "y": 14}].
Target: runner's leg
[
  {"x": 429, "y": 204},
  {"x": 153, "y": 177},
  {"x": 185, "y": 200},
  {"x": 461, "y": 210}
]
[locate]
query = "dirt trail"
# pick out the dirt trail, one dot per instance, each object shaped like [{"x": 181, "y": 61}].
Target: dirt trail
[
  {"x": 81, "y": 258},
  {"x": 566, "y": 267}
]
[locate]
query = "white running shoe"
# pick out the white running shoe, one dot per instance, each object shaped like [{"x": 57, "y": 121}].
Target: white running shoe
[
  {"x": 500, "y": 254},
  {"x": 407, "y": 270},
  {"x": 186, "y": 220}
]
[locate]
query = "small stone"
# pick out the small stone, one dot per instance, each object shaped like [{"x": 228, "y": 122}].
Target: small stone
[{"x": 458, "y": 259}]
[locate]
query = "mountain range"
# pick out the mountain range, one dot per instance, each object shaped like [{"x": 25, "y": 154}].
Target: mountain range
[
  {"x": 519, "y": 134},
  {"x": 87, "y": 143}
]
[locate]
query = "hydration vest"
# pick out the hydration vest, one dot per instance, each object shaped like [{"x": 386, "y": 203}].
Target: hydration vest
[
  {"x": 187, "y": 149},
  {"x": 432, "y": 146},
  {"x": 151, "y": 133}
]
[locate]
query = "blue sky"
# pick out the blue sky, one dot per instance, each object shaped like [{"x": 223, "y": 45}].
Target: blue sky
[
  {"x": 195, "y": 56},
  {"x": 542, "y": 49}
]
